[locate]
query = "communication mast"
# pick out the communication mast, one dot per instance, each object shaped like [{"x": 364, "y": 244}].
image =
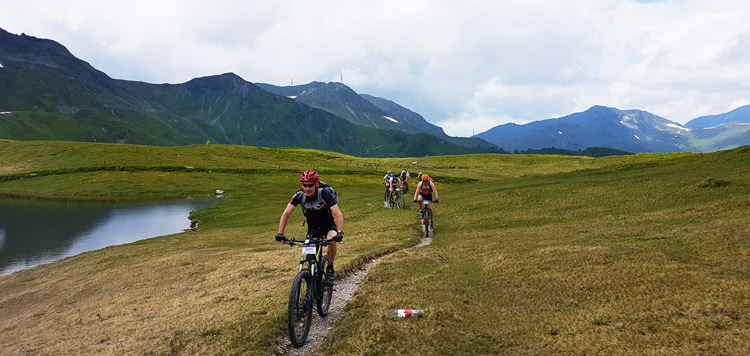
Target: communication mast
[{"x": 342, "y": 77}]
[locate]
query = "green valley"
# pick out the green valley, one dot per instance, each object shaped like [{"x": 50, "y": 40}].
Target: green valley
[{"x": 533, "y": 254}]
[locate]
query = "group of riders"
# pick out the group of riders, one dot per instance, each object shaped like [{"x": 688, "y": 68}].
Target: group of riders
[
  {"x": 422, "y": 195},
  {"x": 324, "y": 218}
]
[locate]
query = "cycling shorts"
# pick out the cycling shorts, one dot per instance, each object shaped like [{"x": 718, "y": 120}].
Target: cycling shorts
[
  {"x": 321, "y": 230},
  {"x": 427, "y": 197}
]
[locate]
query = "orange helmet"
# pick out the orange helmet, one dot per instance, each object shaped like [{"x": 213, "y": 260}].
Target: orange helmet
[{"x": 425, "y": 177}]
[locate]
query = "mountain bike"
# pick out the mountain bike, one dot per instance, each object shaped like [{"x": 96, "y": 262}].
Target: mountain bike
[
  {"x": 425, "y": 219},
  {"x": 396, "y": 200},
  {"x": 309, "y": 285}
]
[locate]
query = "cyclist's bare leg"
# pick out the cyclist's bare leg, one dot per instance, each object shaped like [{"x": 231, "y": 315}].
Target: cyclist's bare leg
[
  {"x": 429, "y": 209},
  {"x": 420, "y": 199},
  {"x": 331, "y": 251}
]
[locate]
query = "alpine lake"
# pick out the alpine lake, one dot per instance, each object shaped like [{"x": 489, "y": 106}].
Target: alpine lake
[{"x": 35, "y": 231}]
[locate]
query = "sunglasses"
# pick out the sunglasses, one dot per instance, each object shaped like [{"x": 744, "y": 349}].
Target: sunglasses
[{"x": 308, "y": 185}]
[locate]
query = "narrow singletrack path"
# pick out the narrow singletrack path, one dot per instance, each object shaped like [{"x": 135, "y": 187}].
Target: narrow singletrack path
[{"x": 321, "y": 328}]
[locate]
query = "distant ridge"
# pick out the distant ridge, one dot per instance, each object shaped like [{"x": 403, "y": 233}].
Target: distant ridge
[
  {"x": 739, "y": 115},
  {"x": 369, "y": 111},
  {"x": 626, "y": 130}
]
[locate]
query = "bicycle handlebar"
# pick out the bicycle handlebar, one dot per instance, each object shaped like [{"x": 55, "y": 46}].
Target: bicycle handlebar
[{"x": 316, "y": 241}]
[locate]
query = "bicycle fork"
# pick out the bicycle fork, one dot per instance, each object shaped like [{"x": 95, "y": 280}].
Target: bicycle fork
[{"x": 311, "y": 287}]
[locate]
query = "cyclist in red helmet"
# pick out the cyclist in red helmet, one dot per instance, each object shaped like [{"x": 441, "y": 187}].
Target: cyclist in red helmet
[
  {"x": 423, "y": 195},
  {"x": 320, "y": 206}
]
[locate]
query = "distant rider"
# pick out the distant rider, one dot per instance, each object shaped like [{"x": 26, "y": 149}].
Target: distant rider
[
  {"x": 392, "y": 184},
  {"x": 405, "y": 180},
  {"x": 423, "y": 195},
  {"x": 386, "y": 180},
  {"x": 320, "y": 206}
]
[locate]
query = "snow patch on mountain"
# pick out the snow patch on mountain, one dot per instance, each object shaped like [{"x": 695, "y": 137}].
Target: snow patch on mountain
[
  {"x": 390, "y": 118},
  {"x": 678, "y": 127},
  {"x": 629, "y": 121}
]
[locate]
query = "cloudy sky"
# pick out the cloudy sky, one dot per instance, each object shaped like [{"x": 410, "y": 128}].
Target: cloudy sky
[{"x": 466, "y": 66}]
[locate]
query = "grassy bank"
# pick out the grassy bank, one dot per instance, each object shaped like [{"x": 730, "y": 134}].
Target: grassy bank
[{"x": 635, "y": 254}]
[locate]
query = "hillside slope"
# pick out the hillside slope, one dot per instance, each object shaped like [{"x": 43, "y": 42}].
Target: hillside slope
[
  {"x": 48, "y": 94},
  {"x": 547, "y": 231}
]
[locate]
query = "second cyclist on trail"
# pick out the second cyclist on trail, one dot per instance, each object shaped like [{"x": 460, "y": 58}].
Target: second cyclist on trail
[{"x": 423, "y": 195}]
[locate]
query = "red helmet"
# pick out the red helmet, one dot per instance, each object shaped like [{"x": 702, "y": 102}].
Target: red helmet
[
  {"x": 309, "y": 176},
  {"x": 425, "y": 177}
]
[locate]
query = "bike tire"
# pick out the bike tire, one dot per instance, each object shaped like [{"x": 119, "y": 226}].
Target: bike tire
[
  {"x": 400, "y": 202},
  {"x": 325, "y": 293},
  {"x": 299, "y": 314}
]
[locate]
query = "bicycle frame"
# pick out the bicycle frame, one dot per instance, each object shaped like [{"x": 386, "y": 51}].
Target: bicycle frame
[
  {"x": 309, "y": 279},
  {"x": 396, "y": 199},
  {"x": 312, "y": 247},
  {"x": 425, "y": 219}
]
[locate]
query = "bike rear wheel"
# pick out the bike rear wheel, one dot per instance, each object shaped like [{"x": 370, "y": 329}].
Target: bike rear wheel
[
  {"x": 325, "y": 292},
  {"x": 299, "y": 314},
  {"x": 399, "y": 202}
]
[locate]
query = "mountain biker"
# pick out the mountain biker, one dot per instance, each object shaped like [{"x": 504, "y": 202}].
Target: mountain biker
[
  {"x": 391, "y": 186},
  {"x": 405, "y": 180},
  {"x": 385, "y": 181},
  {"x": 423, "y": 195},
  {"x": 320, "y": 207}
]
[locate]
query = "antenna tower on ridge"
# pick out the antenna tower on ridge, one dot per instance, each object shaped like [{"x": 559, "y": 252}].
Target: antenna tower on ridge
[{"x": 342, "y": 77}]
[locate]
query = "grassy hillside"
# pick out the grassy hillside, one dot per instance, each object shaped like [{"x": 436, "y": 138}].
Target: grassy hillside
[
  {"x": 48, "y": 94},
  {"x": 533, "y": 254}
]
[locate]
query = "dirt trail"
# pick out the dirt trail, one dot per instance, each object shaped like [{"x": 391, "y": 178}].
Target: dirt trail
[{"x": 321, "y": 328}]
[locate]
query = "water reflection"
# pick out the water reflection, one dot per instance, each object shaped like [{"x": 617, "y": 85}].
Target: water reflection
[{"x": 36, "y": 231}]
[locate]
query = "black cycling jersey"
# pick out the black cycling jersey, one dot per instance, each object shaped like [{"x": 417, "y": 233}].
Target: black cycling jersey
[{"x": 317, "y": 209}]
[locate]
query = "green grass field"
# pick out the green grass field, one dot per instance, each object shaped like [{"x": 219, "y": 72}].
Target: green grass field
[{"x": 642, "y": 254}]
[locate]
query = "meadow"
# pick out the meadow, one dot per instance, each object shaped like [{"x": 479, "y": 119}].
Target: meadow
[{"x": 642, "y": 254}]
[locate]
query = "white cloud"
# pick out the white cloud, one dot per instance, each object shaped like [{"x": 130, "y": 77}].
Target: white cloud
[{"x": 462, "y": 65}]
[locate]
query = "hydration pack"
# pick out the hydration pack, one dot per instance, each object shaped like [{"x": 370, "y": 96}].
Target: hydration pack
[
  {"x": 319, "y": 195},
  {"x": 425, "y": 187}
]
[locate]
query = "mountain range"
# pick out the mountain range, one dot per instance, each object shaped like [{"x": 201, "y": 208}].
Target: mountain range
[
  {"x": 633, "y": 131},
  {"x": 46, "y": 93}
]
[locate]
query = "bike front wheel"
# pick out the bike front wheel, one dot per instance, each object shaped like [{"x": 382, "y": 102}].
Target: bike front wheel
[
  {"x": 325, "y": 291},
  {"x": 299, "y": 314},
  {"x": 426, "y": 220}
]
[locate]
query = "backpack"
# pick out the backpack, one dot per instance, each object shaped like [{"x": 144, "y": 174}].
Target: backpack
[
  {"x": 319, "y": 196},
  {"x": 425, "y": 187}
]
